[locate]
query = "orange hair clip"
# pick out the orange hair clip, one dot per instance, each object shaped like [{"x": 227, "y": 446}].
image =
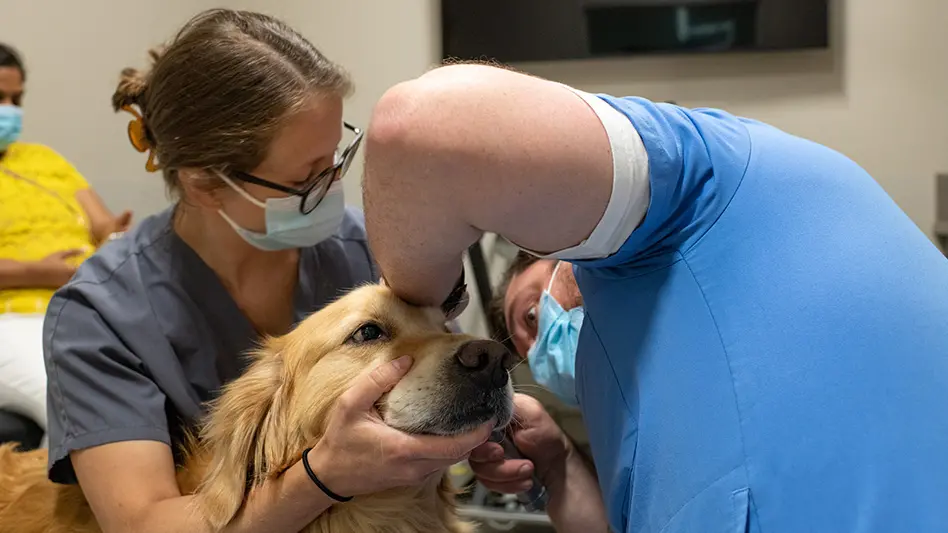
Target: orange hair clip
[{"x": 136, "y": 136}]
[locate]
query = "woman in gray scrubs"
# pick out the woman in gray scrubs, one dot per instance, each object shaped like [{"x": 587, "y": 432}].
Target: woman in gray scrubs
[{"x": 243, "y": 117}]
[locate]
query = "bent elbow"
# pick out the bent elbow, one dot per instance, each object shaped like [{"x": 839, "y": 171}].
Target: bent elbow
[{"x": 394, "y": 117}]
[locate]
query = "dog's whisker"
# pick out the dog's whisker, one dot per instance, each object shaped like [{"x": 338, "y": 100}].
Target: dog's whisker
[
  {"x": 505, "y": 339},
  {"x": 521, "y": 387}
]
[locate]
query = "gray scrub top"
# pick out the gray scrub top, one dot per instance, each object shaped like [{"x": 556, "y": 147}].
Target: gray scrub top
[{"x": 146, "y": 333}]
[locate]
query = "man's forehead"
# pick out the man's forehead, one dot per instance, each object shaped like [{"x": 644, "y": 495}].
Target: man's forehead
[{"x": 537, "y": 274}]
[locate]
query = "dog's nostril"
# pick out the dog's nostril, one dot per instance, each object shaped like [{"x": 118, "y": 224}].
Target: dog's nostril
[
  {"x": 485, "y": 362},
  {"x": 508, "y": 359},
  {"x": 472, "y": 357}
]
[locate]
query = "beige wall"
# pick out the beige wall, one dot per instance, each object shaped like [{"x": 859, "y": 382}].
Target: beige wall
[
  {"x": 881, "y": 96},
  {"x": 74, "y": 51},
  {"x": 379, "y": 42}
]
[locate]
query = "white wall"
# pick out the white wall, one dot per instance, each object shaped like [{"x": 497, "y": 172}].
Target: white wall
[{"x": 880, "y": 96}]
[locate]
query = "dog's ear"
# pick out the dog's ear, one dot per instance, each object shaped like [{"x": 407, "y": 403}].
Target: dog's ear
[{"x": 233, "y": 439}]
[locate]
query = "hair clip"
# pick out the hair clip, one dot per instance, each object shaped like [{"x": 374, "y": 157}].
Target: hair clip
[{"x": 138, "y": 138}]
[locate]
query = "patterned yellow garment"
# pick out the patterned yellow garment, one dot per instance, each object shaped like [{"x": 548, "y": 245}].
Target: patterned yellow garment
[{"x": 39, "y": 215}]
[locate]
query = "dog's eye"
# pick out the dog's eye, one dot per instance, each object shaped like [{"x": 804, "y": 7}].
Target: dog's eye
[{"x": 368, "y": 333}]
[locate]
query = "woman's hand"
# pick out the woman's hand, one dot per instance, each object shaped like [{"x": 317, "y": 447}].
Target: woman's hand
[
  {"x": 121, "y": 223},
  {"x": 57, "y": 268},
  {"x": 102, "y": 223},
  {"x": 360, "y": 454}
]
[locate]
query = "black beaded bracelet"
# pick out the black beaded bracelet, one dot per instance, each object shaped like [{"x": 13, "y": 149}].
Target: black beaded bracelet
[{"x": 312, "y": 475}]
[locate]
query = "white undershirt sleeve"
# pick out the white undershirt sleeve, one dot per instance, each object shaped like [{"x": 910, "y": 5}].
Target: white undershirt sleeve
[{"x": 629, "y": 201}]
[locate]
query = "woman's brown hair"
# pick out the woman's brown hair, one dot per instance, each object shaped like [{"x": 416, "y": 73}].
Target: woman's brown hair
[{"x": 216, "y": 95}]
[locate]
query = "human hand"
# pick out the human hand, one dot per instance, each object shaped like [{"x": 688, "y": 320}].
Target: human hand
[
  {"x": 360, "y": 454},
  {"x": 123, "y": 221},
  {"x": 55, "y": 269},
  {"x": 542, "y": 443},
  {"x": 119, "y": 224}
]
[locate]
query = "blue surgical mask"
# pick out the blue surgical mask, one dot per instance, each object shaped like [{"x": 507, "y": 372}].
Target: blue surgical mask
[
  {"x": 553, "y": 355},
  {"x": 287, "y": 227},
  {"x": 11, "y": 124}
]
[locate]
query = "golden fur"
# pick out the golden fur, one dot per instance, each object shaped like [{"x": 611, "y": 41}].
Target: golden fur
[{"x": 263, "y": 421}]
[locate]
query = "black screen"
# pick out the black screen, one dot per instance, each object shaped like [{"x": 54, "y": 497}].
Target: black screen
[{"x": 541, "y": 30}]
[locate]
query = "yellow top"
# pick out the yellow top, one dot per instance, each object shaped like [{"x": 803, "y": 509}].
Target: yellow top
[{"x": 39, "y": 215}]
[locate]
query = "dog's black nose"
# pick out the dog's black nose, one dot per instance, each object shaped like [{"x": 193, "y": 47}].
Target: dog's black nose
[{"x": 485, "y": 362}]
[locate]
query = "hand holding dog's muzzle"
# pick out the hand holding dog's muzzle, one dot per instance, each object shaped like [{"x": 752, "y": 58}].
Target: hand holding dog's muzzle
[
  {"x": 542, "y": 443},
  {"x": 360, "y": 454}
]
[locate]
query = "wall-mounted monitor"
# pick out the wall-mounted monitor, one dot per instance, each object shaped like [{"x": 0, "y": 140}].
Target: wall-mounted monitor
[{"x": 513, "y": 31}]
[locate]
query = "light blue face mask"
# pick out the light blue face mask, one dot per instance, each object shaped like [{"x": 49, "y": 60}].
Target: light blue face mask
[
  {"x": 287, "y": 227},
  {"x": 552, "y": 357},
  {"x": 11, "y": 124}
]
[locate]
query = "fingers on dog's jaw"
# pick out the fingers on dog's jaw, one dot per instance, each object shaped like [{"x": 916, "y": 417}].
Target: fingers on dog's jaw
[
  {"x": 367, "y": 390},
  {"x": 464, "y": 444},
  {"x": 487, "y": 452},
  {"x": 510, "y": 471},
  {"x": 386, "y": 375},
  {"x": 510, "y": 488}
]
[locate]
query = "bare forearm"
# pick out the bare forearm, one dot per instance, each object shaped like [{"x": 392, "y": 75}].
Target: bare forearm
[
  {"x": 99, "y": 217},
  {"x": 24, "y": 274},
  {"x": 287, "y": 503},
  {"x": 575, "y": 500}
]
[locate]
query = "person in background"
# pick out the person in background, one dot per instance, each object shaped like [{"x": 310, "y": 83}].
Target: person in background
[
  {"x": 244, "y": 119},
  {"x": 50, "y": 221},
  {"x": 515, "y": 316},
  {"x": 760, "y": 344}
]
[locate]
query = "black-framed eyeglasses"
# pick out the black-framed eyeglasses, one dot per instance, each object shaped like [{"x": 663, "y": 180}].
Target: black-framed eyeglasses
[{"x": 317, "y": 187}]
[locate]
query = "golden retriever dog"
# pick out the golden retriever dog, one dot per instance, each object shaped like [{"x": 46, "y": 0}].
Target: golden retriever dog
[{"x": 262, "y": 421}]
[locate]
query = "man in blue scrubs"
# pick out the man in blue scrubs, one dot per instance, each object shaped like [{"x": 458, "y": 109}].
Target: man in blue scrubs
[{"x": 764, "y": 333}]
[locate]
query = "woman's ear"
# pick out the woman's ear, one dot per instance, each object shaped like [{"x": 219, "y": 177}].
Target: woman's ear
[{"x": 201, "y": 187}]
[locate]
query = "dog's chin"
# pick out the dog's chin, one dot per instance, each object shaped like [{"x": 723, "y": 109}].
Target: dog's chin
[{"x": 458, "y": 415}]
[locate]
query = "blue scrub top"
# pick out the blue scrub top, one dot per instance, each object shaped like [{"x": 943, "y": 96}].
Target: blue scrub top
[
  {"x": 146, "y": 333},
  {"x": 768, "y": 351}
]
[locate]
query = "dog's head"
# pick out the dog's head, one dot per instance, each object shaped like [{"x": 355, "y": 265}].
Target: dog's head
[{"x": 263, "y": 420}]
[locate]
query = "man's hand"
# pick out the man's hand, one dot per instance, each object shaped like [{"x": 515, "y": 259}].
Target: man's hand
[
  {"x": 575, "y": 502},
  {"x": 538, "y": 438}
]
